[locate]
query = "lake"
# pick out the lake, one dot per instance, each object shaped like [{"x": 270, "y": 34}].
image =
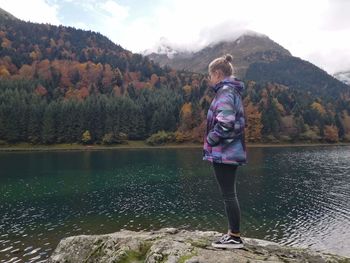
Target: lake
[{"x": 298, "y": 196}]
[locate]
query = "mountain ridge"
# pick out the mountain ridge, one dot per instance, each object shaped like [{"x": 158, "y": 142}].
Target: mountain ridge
[
  {"x": 258, "y": 58},
  {"x": 244, "y": 48},
  {"x": 6, "y": 15}
]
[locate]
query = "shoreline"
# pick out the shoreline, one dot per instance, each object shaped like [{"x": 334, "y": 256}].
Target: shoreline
[{"x": 26, "y": 147}]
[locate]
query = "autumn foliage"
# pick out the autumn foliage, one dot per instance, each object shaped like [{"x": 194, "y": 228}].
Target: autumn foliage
[{"x": 60, "y": 84}]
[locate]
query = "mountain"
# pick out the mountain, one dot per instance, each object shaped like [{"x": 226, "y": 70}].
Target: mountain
[
  {"x": 58, "y": 83},
  {"x": 257, "y": 58},
  {"x": 300, "y": 75},
  {"x": 4, "y": 15},
  {"x": 246, "y": 49},
  {"x": 343, "y": 76},
  {"x": 26, "y": 43}
]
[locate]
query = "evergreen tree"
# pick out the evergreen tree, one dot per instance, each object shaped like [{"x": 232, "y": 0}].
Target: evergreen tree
[
  {"x": 35, "y": 118},
  {"x": 271, "y": 118},
  {"x": 49, "y": 130}
]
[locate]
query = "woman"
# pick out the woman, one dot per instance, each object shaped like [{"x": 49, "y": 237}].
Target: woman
[{"x": 224, "y": 144}]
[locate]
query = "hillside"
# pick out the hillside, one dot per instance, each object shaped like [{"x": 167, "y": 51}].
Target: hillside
[
  {"x": 6, "y": 15},
  {"x": 68, "y": 79},
  {"x": 257, "y": 58},
  {"x": 246, "y": 49},
  {"x": 298, "y": 74},
  {"x": 26, "y": 42},
  {"x": 64, "y": 85}
]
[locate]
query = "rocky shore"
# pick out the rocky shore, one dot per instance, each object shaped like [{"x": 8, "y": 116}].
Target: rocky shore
[{"x": 173, "y": 245}]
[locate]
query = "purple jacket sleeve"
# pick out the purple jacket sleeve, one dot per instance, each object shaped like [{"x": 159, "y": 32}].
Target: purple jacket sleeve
[{"x": 226, "y": 125}]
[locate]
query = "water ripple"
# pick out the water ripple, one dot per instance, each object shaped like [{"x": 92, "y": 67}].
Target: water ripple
[{"x": 294, "y": 196}]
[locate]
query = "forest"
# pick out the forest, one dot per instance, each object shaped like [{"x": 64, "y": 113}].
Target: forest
[{"x": 63, "y": 85}]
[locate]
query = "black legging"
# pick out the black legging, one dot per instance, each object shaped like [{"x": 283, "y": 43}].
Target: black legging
[{"x": 226, "y": 178}]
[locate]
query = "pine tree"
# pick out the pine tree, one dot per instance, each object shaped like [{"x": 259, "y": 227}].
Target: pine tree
[
  {"x": 35, "y": 115},
  {"x": 271, "y": 118},
  {"x": 48, "y": 130}
]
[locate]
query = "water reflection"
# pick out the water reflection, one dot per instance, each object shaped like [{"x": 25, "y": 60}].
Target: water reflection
[{"x": 295, "y": 196}]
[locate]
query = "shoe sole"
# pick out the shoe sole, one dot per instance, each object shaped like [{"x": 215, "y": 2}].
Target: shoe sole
[{"x": 233, "y": 246}]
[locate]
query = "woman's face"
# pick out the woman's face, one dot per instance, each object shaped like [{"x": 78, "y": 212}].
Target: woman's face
[{"x": 215, "y": 77}]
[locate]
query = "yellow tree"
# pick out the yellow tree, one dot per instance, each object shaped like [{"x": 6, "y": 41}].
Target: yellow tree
[
  {"x": 65, "y": 69},
  {"x": 331, "y": 133},
  {"x": 345, "y": 121},
  {"x": 5, "y": 43},
  {"x": 254, "y": 124},
  {"x": 154, "y": 79},
  {"x": 26, "y": 71},
  {"x": 4, "y": 73},
  {"x": 43, "y": 69},
  {"x": 318, "y": 107},
  {"x": 186, "y": 117},
  {"x": 86, "y": 137}
]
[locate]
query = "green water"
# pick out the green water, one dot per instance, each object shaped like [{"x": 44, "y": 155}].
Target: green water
[{"x": 296, "y": 196}]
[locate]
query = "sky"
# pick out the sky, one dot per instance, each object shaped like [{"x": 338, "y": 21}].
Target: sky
[{"x": 314, "y": 30}]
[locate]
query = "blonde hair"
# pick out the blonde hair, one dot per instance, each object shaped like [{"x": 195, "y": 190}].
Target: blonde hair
[{"x": 223, "y": 64}]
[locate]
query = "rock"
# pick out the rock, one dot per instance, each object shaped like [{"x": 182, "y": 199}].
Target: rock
[{"x": 172, "y": 245}]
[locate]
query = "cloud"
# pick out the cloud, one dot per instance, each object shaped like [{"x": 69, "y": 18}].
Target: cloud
[
  {"x": 191, "y": 23},
  {"x": 315, "y": 30},
  {"x": 37, "y": 11},
  {"x": 334, "y": 58},
  {"x": 337, "y": 17},
  {"x": 115, "y": 11}
]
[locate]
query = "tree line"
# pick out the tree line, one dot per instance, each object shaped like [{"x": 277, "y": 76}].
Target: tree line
[
  {"x": 60, "y": 84},
  {"x": 26, "y": 116}
]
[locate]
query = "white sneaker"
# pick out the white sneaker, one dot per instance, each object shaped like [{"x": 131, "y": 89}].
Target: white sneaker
[{"x": 228, "y": 241}]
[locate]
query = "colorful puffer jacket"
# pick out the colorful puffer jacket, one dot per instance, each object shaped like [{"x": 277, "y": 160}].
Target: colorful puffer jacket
[{"x": 224, "y": 137}]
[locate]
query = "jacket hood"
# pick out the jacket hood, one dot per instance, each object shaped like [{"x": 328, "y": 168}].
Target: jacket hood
[{"x": 232, "y": 82}]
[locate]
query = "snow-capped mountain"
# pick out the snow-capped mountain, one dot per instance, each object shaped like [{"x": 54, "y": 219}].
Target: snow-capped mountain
[{"x": 247, "y": 48}]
